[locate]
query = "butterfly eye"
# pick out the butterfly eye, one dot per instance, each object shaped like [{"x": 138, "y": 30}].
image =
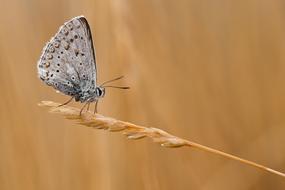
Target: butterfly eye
[
  {"x": 98, "y": 91},
  {"x": 57, "y": 71},
  {"x": 75, "y": 36}
]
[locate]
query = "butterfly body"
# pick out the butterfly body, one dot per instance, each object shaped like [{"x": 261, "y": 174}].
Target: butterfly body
[
  {"x": 68, "y": 62},
  {"x": 90, "y": 95}
]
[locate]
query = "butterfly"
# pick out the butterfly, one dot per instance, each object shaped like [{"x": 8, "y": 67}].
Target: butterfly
[{"x": 68, "y": 64}]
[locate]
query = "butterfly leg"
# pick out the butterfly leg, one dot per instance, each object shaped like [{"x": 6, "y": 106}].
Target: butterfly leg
[
  {"x": 88, "y": 106},
  {"x": 96, "y": 105},
  {"x": 65, "y": 103},
  {"x": 83, "y": 108}
]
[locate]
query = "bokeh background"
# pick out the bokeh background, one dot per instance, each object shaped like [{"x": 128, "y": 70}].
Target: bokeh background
[{"x": 208, "y": 71}]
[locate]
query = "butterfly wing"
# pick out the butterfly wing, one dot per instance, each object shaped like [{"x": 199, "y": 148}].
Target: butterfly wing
[{"x": 68, "y": 60}]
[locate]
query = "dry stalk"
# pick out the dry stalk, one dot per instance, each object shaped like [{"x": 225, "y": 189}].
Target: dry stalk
[{"x": 133, "y": 131}]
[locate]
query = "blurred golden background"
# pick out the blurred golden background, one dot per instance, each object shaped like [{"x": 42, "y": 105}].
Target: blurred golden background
[{"x": 208, "y": 71}]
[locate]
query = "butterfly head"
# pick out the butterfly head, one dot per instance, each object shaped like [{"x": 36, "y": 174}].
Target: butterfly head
[
  {"x": 100, "y": 92},
  {"x": 90, "y": 95}
]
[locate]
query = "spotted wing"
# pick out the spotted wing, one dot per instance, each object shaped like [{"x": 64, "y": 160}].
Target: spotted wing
[{"x": 68, "y": 60}]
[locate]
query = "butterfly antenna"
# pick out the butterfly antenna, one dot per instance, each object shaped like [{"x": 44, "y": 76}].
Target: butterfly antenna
[
  {"x": 119, "y": 87},
  {"x": 106, "y": 82}
]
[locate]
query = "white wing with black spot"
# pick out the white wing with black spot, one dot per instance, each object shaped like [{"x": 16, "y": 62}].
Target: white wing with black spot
[{"x": 68, "y": 60}]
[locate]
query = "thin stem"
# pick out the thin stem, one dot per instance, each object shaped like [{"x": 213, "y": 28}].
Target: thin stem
[
  {"x": 230, "y": 156},
  {"x": 133, "y": 131}
]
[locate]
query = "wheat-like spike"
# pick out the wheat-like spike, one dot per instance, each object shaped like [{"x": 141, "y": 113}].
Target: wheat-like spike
[{"x": 133, "y": 131}]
